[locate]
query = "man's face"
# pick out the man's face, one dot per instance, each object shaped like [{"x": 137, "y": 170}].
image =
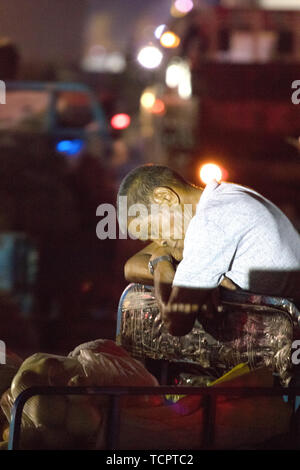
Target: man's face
[{"x": 164, "y": 225}]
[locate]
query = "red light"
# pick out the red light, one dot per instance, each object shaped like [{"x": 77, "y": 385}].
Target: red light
[
  {"x": 120, "y": 121},
  {"x": 158, "y": 107}
]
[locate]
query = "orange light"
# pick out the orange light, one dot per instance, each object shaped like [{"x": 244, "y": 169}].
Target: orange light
[
  {"x": 158, "y": 107},
  {"x": 209, "y": 172},
  {"x": 120, "y": 121},
  {"x": 169, "y": 40}
]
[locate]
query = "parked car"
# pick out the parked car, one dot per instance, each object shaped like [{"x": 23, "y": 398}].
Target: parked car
[
  {"x": 49, "y": 251},
  {"x": 67, "y": 114}
]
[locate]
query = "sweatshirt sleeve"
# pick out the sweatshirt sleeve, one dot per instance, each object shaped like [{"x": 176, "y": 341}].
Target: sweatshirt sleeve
[{"x": 208, "y": 253}]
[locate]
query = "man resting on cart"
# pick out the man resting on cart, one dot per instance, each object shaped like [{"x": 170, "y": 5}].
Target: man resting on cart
[{"x": 222, "y": 235}]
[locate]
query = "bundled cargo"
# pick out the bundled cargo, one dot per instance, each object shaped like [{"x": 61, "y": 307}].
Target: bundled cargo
[
  {"x": 250, "y": 341},
  {"x": 253, "y": 329},
  {"x": 72, "y": 421},
  {"x": 78, "y": 422}
]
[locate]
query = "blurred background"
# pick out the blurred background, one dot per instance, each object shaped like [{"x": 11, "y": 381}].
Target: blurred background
[{"x": 95, "y": 88}]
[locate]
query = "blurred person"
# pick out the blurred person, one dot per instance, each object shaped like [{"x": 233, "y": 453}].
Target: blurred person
[
  {"x": 124, "y": 158},
  {"x": 74, "y": 269},
  {"x": 9, "y": 59},
  {"x": 196, "y": 40},
  {"x": 233, "y": 237}
]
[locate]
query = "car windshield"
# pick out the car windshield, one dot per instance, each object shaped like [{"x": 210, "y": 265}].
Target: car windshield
[
  {"x": 73, "y": 109},
  {"x": 28, "y": 110},
  {"x": 24, "y": 110}
]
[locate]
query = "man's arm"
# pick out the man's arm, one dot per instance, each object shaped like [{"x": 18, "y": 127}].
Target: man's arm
[
  {"x": 136, "y": 268},
  {"x": 179, "y": 306},
  {"x": 183, "y": 305}
]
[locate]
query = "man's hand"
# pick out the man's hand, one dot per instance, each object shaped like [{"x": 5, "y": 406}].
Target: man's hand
[
  {"x": 164, "y": 273},
  {"x": 179, "y": 318},
  {"x": 184, "y": 305}
]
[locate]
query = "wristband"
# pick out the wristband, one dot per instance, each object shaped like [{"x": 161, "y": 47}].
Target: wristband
[{"x": 153, "y": 263}]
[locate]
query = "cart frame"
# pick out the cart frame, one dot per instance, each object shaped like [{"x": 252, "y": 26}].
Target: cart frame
[{"x": 210, "y": 395}]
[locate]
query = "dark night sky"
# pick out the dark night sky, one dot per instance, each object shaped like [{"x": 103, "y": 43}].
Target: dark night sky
[
  {"x": 53, "y": 29},
  {"x": 128, "y": 14},
  {"x": 43, "y": 28}
]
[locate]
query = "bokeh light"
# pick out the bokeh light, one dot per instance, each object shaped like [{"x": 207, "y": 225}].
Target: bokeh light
[
  {"x": 280, "y": 4},
  {"x": 176, "y": 13},
  {"x": 184, "y": 6},
  {"x": 170, "y": 40},
  {"x": 150, "y": 57},
  {"x": 147, "y": 99},
  {"x": 172, "y": 75},
  {"x": 150, "y": 103},
  {"x": 185, "y": 87},
  {"x": 158, "y": 107},
  {"x": 120, "y": 121},
  {"x": 178, "y": 75},
  {"x": 209, "y": 172},
  {"x": 159, "y": 30},
  {"x": 70, "y": 147}
]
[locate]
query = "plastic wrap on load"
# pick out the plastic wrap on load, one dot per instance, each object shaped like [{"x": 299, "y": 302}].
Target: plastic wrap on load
[
  {"x": 56, "y": 421},
  {"x": 7, "y": 373},
  {"x": 257, "y": 330},
  {"x": 105, "y": 363},
  {"x": 9, "y": 369}
]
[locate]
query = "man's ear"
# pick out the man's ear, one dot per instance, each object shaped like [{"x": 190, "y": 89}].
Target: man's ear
[{"x": 165, "y": 195}]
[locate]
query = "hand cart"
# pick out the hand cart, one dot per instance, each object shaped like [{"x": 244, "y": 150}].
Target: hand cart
[{"x": 210, "y": 394}]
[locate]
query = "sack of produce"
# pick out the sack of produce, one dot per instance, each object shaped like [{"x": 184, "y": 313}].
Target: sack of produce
[{"x": 71, "y": 421}]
